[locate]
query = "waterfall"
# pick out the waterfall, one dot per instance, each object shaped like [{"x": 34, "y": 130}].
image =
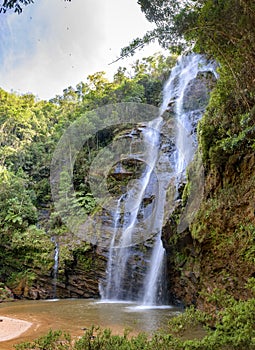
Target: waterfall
[
  {"x": 121, "y": 247},
  {"x": 153, "y": 279},
  {"x": 185, "y": 71},
  {"x": 55, "y": 266},
  {"x": 145, "y": 283},
  {"x": 112, "y": 284}
]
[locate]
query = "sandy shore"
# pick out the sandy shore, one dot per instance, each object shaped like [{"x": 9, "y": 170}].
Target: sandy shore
[{"x": 11, "y": 328}]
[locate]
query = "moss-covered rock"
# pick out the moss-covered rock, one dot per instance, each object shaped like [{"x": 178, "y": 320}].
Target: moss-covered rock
[{"x": 217, "y": 251}]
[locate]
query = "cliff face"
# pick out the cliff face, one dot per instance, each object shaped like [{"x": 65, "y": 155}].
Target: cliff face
[
  {"x": 214, "y": 256},
  {"x": 80, "y": 267},
  {"x": 78, "y": 278}
]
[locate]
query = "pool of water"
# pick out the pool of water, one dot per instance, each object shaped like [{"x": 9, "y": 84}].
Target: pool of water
[{"x": 73, "y": 315}]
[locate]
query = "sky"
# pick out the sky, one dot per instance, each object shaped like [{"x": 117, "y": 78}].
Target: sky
[{"x": 54, "y": 44}]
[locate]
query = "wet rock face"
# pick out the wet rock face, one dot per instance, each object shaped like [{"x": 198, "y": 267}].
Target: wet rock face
[
  {"x": 196, "y": 98},
  {"x": 78, "y": 279},
  {"x": 197, "y": 93},
  {"x": 217, "y": 252},
  {"x": 133, "y": 275},
  {"x": 182, "y": 255}
]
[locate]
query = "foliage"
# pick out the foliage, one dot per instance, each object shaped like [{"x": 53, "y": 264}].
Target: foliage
[
  {"x": 52, "y": 341},
  {"x": 235, "y": 327},
  {"x": 166, "y": 16},
  {"x": 34, "y": 247},
  {"x": 188, "y": 320},
  {"x": 25, "y": 277},
  {"x": 16, "y": 5},
  {"x": 17, "y": 211},
  {"x": 5, "y": 293},
  {"x": 251, "y": 284}
]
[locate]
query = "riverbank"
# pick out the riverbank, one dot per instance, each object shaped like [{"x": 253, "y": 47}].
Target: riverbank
[{"x": 11, "y": 328}]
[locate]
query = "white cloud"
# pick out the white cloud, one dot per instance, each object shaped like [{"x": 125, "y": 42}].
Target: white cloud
[{"x": 55, "y": 44}]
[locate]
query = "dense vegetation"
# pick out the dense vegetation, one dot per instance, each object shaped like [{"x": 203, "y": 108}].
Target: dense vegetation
[{"x": 16, "y": 5}]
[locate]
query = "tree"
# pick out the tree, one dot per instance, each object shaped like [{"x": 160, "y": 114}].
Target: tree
[
  {"x": 17, "y": 209},
  {"x": 165, "y": 14},
  {"x": 222, "y": 29},
  {"x": 16, "y": 5}
]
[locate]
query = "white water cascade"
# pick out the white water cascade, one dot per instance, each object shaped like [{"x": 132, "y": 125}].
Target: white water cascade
[
  {"x": 55, "y": 266},
  {"x": 121, "y": 244},
  {"x": 125, "y": 278},
  {"x": 182, "y": 75},
  {"x": 111, "y": 282}
]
